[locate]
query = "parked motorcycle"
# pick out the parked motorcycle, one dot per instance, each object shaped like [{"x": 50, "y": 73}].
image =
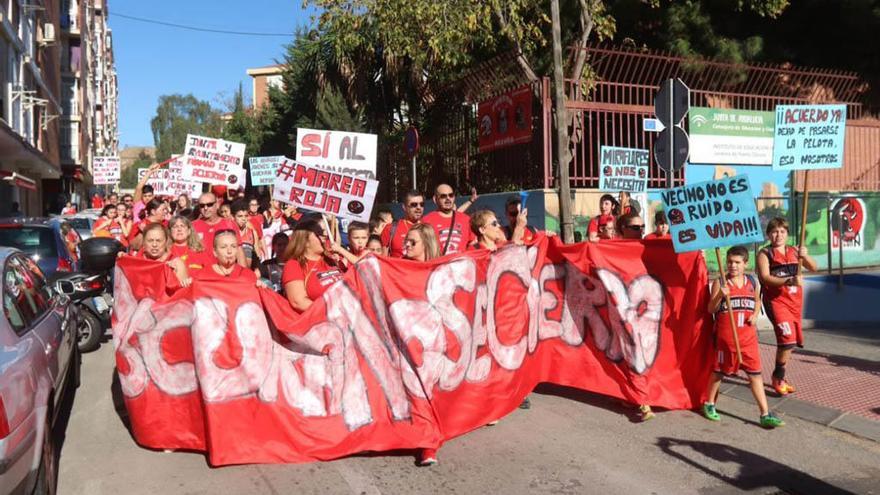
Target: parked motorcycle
[{"x": 91, "y": 290}]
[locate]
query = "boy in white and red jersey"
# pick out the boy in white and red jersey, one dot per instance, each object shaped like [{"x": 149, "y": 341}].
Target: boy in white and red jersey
[
  {"x": 742, "y": 292},
  {"x": 783, "y": 295}
]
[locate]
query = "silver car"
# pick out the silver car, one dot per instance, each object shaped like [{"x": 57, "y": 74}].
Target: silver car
[{"x": 39, "y": 363}]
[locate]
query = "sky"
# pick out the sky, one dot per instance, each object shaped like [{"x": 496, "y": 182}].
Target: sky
[{"x": 154, "y": 60}]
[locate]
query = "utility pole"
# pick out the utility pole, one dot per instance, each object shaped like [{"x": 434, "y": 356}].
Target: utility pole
[{"x": 563, "y": 157}]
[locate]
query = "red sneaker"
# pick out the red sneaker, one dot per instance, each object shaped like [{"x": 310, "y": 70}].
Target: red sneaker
[{"x": 782, "y": 387}]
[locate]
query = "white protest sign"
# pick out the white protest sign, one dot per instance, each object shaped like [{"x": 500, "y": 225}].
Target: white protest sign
[
  {"x": 263, "y": 169},
  {"x": 169, "y": 181},
  {"x": 106, "y": 170},
  {"x": 214, "y": 161},
  {"x": 337, "y": 151},
  {"x": 308, "y": 187}
]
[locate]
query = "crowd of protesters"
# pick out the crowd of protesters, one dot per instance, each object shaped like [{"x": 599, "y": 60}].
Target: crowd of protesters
[{"x": 223, "y": 234}]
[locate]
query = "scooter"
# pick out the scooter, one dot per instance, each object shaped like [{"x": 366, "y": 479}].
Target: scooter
[
  {"x": 92, "y": 289},
  {"x": 91, "y": 294}
]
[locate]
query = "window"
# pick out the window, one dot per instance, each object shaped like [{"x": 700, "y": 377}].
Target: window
[
  {"x": 32, "y": 240},
  {"x": 11, "y": 292},
  {"x": 27, "y": 292},
  {"x": 275, "y": 81}
]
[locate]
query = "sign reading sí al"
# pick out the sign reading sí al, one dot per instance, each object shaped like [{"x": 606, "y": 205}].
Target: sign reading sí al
[
  {"x": 351, "y": 153},
  {"x": 623, "y": 169},
  {"x": 311, "y": 188},
  {"x": 738, "y": 137},
  {"x": 712, "y": 214},
  {"x": 214, "y": 161},
  {"x": 809, "y": 137}
]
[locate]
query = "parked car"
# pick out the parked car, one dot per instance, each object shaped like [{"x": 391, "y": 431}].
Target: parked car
[
  {"x": 41, "y": 239},
  {"x": 39, "y": 364},
  {"x": 83, "y": 221}
]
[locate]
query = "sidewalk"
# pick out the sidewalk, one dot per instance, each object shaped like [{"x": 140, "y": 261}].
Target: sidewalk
[{"x": 837, "y": 376}]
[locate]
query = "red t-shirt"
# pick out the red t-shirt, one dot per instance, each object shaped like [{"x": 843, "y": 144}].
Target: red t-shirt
[
  {"x": 238, "y": 273},
  {"x": 653, "y": 235},
  {"x": 598, "y": 220},
  {"x": 206, "y": 231},
  {"x": 460, "y": 232},
  {"x": 396, "y": 245},
  {"x": 317, "y": 276},
  {"x": 257, "y": 222},
  {"x": 194, "y": 260},
  {"x": 786, "y": 301}
]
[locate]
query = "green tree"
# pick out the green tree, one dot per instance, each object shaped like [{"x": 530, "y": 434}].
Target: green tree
[
  {"x": 243, "y": 125},
  {"x": 129, "y": 176},
  {"x": 178, "y": 115}
]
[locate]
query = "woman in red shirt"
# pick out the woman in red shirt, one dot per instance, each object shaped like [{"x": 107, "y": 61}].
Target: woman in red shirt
[
  {"x": 156, "y": 247},
  {"x": 661, "y": 227},
  {"x": 155, "y": 212},
  {"x": 226, "y": 266},
  {"x": 420, "y": 243},
  {"x": 186, "y": 245},
  {"x": 307, "y": 272}
]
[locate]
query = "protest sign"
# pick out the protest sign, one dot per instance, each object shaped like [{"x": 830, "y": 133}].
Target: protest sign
[
  {"x": 169, "y": 181},
  {"x": 809, "y": 137},
  {"x": 311, "y": 188},
  {"x": 623, "y": 169},
  {"x": 350, "y": 153},
  {"x": 214, "y": 161},
  {"x": 712, "y": 214},
  {"x": 738, "y": 137},
  {"x": 106, "y": 170},
  {"x": 505, "y": 120},
  {"x": 264, "y": 169}
]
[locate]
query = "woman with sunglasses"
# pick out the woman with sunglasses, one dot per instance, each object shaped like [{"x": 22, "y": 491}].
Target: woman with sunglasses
[
  {"x": 421, "y": 243},
  {"x": 490, "y": 234},
  {"x": 630, "y": 226},
  {"x": 155, "y": 212},
  {"x": 308, "y": 270},
  {"x": 156, "y": 247}
]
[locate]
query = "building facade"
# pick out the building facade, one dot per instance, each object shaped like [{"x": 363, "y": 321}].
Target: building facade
[
  {"x": 58, "y": 95},
  {"x": 263, "y": 79},
  {"x": 30, "y": 102}
]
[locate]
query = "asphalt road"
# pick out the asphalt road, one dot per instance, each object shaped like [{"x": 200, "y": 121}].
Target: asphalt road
[{"x": 569, "y": 442}]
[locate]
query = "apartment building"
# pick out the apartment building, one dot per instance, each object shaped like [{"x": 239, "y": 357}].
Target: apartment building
[
  {"x": 263, "y": 79},
  {"x": 30, "y": 102},
  {"x": 89, "y": 95}
]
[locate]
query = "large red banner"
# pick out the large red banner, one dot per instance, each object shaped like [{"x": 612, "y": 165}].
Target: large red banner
[
  {"x": 505, "y": 120},
  {"x": 402, "y": 354}
]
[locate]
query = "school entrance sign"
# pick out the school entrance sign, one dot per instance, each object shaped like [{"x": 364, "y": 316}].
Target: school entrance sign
[{"x": 737, "y": 137}]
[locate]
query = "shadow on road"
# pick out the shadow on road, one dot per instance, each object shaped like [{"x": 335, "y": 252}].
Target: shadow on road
[
  {"x": 755, "y": 471},
  {"x": 119, "y": 402},
  {"x": 612, "y": 404}
]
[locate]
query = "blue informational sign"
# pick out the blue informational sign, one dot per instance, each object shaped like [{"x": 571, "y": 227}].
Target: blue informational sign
[
  {"x": 623, "y": 169},
  {"x": 809, "y": 137},
  {"x": 712, "y": 214}
]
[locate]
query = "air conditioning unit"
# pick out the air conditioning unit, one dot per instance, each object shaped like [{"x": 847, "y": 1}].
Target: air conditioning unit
[{"x": 48, "y": 36}]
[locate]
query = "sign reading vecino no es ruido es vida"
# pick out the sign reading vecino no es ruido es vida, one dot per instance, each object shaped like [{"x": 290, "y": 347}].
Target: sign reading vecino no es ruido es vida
[
  {"x": 809, "y": 137},
  {"x": 712, "y": 214},
  {"x": 312, "y": 188}
]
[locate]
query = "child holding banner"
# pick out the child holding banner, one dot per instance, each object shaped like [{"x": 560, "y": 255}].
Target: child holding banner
[
  {"x": 742, "y": 293},
  {"x": 779, "y": 271}
]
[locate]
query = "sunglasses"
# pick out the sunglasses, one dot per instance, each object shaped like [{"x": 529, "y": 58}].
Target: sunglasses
[
  {"x": 635, "y": 228},
  {"x": 410, "y": 242},
  {"x": 207, "y": 205},
  {"x": 446, "y": 196},
  {"x": 417, "y": 205}
]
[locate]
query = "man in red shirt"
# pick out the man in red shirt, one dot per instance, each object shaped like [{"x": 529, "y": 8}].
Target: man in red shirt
[
  {"x": 512, "y": 208},
  {"x": 451, "y": 226},
  {"x": 209, "y": 223},
  {"x": 395, "y": 233}
]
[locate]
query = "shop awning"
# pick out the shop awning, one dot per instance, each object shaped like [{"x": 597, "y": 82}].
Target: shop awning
[{"x": 18, "y": 180}]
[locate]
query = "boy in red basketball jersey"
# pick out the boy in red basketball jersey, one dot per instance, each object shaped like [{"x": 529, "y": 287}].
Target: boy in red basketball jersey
[
  {"x": 746, "y": 306},
  {"x": 783, "y": 295}
]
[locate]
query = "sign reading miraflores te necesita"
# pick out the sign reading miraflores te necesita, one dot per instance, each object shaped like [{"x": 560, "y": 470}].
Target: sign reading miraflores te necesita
[
  {"x": 623, "y": 169},
  {"x": 727, "y": 136}
]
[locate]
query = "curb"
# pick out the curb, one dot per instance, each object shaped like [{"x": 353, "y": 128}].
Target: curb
[{"x": 825, "y": 416}]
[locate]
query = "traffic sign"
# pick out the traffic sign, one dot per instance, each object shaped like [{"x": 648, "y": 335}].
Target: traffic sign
[
  {"x": 672, "y": 102},
  {"x": 652, "y": 125},
  {"x": 676, "y": 158},
  {"x": 411, "y": 141}
]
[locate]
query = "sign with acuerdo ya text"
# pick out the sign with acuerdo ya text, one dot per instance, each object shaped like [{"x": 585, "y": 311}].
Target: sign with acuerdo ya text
[
  {"x": 106, "y": 170},
  {"x": 214, "y": 161},
  {"x": 623, "y": 169},
  {"x": 311, "y": 188},
  {"x": 336, "y": 151},
  {"x": 711, "y": 214},
  {"x": 809, "y": 137},
  {"x": 264, "y": 169},
  {"x": 727, "y": 136},
  {"x": 169, "y": 181}
]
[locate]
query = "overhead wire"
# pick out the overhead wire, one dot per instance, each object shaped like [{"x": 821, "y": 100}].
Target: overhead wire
[{"x": 196, "y": 28}]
